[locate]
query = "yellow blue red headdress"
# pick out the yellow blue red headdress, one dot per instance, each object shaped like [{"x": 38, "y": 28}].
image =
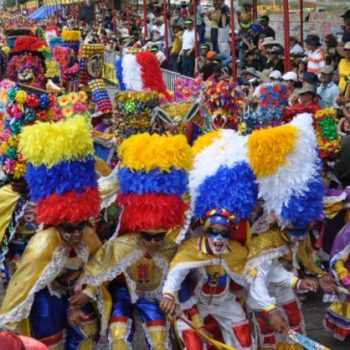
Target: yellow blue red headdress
[
  {"x": 61, "y": 170},
  {"x": 153, "y": 182}
]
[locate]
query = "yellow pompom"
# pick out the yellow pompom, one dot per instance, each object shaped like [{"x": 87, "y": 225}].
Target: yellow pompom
[
  {"x": 145, "y": 152},
  {"x": 21, "y": 97},
  {"x": 269, "y": 148},
  {"x": 50, "y": 143},
  {"x": 204, "y": 141},
  {"x": 71, "y": 35}
]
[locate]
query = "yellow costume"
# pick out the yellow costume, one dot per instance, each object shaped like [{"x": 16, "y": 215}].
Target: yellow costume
[
  {"x": 344, "y": 72},
  {"x": 43, "y": 261},
  {"x": 137, "y": 278},
  {"x": 270, "y": 272}
]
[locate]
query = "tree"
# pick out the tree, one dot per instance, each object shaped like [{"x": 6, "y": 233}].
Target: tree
[{"x": 9, "y": 3}]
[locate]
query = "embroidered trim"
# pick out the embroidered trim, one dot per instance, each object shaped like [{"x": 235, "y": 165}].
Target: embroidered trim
[
  {"x": 59, "y": 258},
  {"x": 268, "y": 255}
]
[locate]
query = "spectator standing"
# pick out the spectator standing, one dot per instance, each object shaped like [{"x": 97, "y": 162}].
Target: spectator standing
[
  {"x": 327, "y": 90},
  {"x": 188, "y": 47},
  {"x": 346, "y": 34},
  {"x": 200, "y": 22},
  {"x": 185, "y": 12},
  {"x": 224, "y": 27},
  {"x": 344, "y": 67},
  {"x": 176, "y": 48},
  {"x": 246, "y": 16},
  {"x": 267, "y": 31},
  {"x": 214, "y": 17},
  {"x": 316, "y": 56},
  {"x": 178, "y": 19}
]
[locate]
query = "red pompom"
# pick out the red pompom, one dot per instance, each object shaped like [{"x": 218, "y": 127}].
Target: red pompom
[
  {"x": 151, "y": 73},
  {"x": 151, "y": 212},
  {"x": 33, "y": 101},
  {"x": 69, "y": 207},
  {"x": 28, "y": 43}
]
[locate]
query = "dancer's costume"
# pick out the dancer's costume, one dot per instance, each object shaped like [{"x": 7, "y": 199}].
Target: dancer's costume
[
  {"x": 291, "y": 186},
  {"x": 153, "y": 181},
  {"x": 62, "y": 181},
  {"x": 337, "y": 318},
  {"x": 17, "y": 217},
  {"x": 223, "y": 191}
]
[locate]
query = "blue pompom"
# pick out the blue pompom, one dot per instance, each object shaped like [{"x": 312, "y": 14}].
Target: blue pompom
[
  {"x": 234, "y": 189},
  {"x": 301, "y": 210},
  {"x": 61, "y": 178},
  {"x": 174, "y": 182}
]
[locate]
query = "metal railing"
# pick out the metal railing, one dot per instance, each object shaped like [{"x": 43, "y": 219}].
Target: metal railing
[{"x": 170, "y": 77}]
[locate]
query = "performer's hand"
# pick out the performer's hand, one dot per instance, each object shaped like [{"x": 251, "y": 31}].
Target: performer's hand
[
  {"x": 79, "y": 299},
  {"x": 208, "y": 334},
  {"x": 277, "y": 322},
  {"x": 308, "y": 284},
  {"x": 76, "y": 316},
  {"x": 168, "y": 305},
  {"x": 328, "y": 284}
]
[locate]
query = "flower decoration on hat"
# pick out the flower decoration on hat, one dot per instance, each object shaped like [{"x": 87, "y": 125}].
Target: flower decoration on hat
[
  {"x": 134, "y": 112},
  {"x": 326, "y": 127},
  {"x": 153, "y": 182},
  {"x": 61, "y": 170},
  {"x": 31, "y": 62},
  {"x": 222, "y": 101},
  {"x": 22, "y": 109}
]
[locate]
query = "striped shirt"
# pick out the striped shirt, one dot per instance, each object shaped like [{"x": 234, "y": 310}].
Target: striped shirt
[{"x": 316, "y": 61}]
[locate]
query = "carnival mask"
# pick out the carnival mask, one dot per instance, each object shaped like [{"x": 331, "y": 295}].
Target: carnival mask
[
  {"x": 217, "y": 240},
  {"x": 26, "y": 76}
]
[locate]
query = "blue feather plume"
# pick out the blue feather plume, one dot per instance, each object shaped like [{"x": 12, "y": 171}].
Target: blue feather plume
[
  {"x": 301, "y": 210},
  {"x": 119, "y": 70},
  {"x": 234, "y": 189},
  {"x": 61, "y": 178},
  {"x": 174, "y": 182}
]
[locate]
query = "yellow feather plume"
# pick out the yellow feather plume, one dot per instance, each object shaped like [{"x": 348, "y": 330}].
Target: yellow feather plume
[
  {"x": 145, "y": 152},
  {"x": 205, "y": 140},
  {"x": 268, "y": 148},
  {"x": 50, "y": 143},
  {"x": 71, "y": 35}
]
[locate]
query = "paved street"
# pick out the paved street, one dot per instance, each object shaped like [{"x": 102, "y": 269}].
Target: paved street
[{"x": 314, "y": 311}]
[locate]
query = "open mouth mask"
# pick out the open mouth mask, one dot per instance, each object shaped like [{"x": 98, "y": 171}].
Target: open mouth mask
[{"x": 217, "y": 240}]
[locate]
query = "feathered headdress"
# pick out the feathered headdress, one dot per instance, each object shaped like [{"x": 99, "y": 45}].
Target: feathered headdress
[
  {"x": 153, "y": 182},
  {"x": 61, "y": 170},
  {"x": 281, "y": 164},
  {"x": 140, "y": 72}
]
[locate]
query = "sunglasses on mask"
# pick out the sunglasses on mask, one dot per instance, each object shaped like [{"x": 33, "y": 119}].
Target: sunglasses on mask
[
  {"x": 158, "y": 237},
  {"x": 212, "y": 232},
  {"x": 72, "y": 228}
]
